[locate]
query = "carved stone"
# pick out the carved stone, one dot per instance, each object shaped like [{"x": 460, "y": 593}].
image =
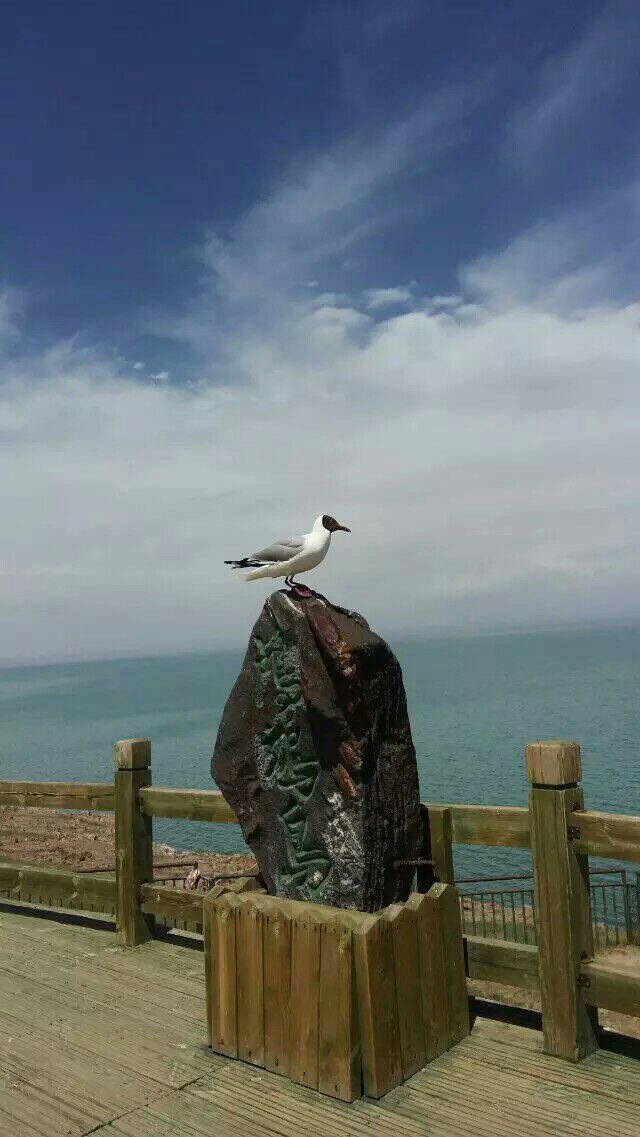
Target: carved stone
[{"x": 314, "y": 754}]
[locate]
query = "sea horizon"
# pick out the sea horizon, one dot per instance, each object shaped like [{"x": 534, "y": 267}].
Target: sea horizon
[
  {"x": 474, "y": 702},
  {"x": 454, "y": 632}
]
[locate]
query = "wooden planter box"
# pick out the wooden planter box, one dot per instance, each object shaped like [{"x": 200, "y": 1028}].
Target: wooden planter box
[{"x": 344, "y": 1002}]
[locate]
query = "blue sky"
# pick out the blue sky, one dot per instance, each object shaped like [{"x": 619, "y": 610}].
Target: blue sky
[{"x": 260, "y": 261}]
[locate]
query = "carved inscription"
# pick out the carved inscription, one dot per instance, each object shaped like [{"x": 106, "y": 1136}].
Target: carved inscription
[{"x": 281, "y": 762}]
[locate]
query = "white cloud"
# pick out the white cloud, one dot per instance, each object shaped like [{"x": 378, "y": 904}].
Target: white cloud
[
  {"x": 388, "y": 297},
  {"x": 139, "y": 366},
  {"x": 452, "y": 301},
  {"x": 483, "y": 448}
]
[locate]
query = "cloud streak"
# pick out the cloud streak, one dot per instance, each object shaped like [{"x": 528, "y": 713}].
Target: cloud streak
[
  {"x": 573, "y": 82},
  {"x": 482, "y": 445}
]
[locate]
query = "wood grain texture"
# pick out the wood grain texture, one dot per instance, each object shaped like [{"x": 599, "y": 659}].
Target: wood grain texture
[
  {"x": 133, "y": 841},
  {"x": 305, "y": 996},
  {"x": 613, "y": 987},
  {"x": 432, "y": 972},
  {"x": 213, "y": 951},
  {"x": 377, "y": 1005},
  {"x": 223, "y": 1008},
  {"x": 339, "y": 1057},
  {"x": 58, "y": 795},
  {"x": 250, "y": 978},
  {"x": 113, "y": 1046},
  {"x": 553, "y": 763},
  {"x": 500, "y": 825},
  {"x": 613, "y": 835},
  {"x": 191, "y": 805},
  {"x": 440, "y": 840},
  {"x": 563, "y": 925},
  {"x": 132, "y": 754},
  {"x": 56, "y": 886},
  {"x": 179, "y": 903},
  {"x": 276, "y": 937},
  {"x": 406, "y": 953},
  {"x": 516, "y": 965},
  {"x": 454, "y": 965}
]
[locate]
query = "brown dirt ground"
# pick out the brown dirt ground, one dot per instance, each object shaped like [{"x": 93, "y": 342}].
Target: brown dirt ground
[{"x": 84, "y": 841}]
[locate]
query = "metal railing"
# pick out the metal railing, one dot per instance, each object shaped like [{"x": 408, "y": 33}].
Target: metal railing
[{"x": 508, "y": 913}]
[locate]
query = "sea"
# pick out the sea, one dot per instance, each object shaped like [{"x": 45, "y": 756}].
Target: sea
[{"x": 473, "y": 704}]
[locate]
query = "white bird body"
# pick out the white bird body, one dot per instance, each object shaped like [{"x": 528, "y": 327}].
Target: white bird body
[{"x": 292, "y": 555}]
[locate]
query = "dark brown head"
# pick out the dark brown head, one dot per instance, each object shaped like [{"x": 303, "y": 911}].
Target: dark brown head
[{"x": 332, "y": 525}]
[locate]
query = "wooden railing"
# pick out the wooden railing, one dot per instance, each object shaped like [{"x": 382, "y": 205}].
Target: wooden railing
[{"x": 557, "y": 828}]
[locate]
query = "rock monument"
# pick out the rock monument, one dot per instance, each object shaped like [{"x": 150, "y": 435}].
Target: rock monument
[{"x": 314, "y": 754}]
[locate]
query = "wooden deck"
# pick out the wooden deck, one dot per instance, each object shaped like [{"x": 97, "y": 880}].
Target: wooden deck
[{"x": 97, "y": 1039}]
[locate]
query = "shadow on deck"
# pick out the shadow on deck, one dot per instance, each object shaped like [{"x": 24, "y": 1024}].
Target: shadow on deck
[{"x": 97, "y": 1039}]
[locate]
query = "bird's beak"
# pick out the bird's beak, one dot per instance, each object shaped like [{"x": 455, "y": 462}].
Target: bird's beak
[{"x": 343, "y": 529}]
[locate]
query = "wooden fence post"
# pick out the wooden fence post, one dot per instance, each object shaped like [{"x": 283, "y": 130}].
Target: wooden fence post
[
  {"x": 440, "y": 841},
  {"x": 133, "y": 840},
  {"x": 561, "y": 892}
]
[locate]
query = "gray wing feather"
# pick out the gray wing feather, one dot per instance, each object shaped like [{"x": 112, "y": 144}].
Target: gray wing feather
[{"x": 282, "y": 550}]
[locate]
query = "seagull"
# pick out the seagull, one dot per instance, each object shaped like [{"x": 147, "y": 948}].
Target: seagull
[{"x": 292, "y": 555}]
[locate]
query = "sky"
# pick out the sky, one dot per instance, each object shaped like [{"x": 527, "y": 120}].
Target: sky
[{"x": 264, "y": 261}]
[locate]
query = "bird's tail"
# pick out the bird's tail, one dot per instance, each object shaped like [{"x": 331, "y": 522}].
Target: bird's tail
[
  {"x": 258, "y": 568},
  {"x": 259, "y": 572}
]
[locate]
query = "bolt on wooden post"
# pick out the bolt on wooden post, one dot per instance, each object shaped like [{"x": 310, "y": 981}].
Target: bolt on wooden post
[
  {"x": 133, "y": 839},
  {"x": 561, "y": 893}
]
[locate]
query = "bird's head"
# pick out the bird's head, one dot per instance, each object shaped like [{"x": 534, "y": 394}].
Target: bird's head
[{"x": 332, "y": 525}]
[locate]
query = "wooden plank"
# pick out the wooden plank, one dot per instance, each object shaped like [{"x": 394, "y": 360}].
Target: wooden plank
[
  {"x": 339, "y": 1061},
  {"x": 614, "y": 835},
  {"x": 305, "y": 995},
  {"x": 276, "y": 935},
  {"x": 484, "y": 1100},
  {"x": 223, "y": 1013},
  {"x": 498, "y": 962},
  {"x": 56, "y": 886},
  {"x": 440, "y": 840},
  {"x": 433, "y": 1000},
  {"x": 249, "y": 979},
  {"x": 377, "y": 1005},
  {"x": 178, "y": 903},
  {"x": 454, "y": 966},
  {"x": 236, "y": 886},
  {"x": 562, "y": 922},
  {"x": 500, "y": 825},
  {"x": 133, "y": 840},
  {"x": 553, "y": 763},
  {"x": 58, "y": 795},
  {"x": 192, "y": 805},
  {"x": 613, "y": 987},
  {"x": 406, "y": 954}
]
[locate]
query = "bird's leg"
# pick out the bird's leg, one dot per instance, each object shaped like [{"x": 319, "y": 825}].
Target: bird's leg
[{"x": 299, "y": 589}]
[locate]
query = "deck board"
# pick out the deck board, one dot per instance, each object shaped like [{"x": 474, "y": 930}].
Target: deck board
[{"x": 97, "y": 1039}]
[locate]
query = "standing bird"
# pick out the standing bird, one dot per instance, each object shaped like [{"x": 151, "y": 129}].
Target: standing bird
[{"x": 292, "y": 555}]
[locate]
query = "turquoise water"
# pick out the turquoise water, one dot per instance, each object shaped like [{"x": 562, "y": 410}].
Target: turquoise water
[{"x": 473, "y": 704}]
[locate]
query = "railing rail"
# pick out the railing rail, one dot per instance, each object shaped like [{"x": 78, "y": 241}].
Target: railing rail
[
  {"x": 550, "y": 946},
  {"x": 615, "y": 836},
  {"x": 508, "y": 913}
]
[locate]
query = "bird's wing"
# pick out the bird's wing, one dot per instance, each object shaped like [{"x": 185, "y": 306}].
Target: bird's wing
[{"x": 282, "y": 550}]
